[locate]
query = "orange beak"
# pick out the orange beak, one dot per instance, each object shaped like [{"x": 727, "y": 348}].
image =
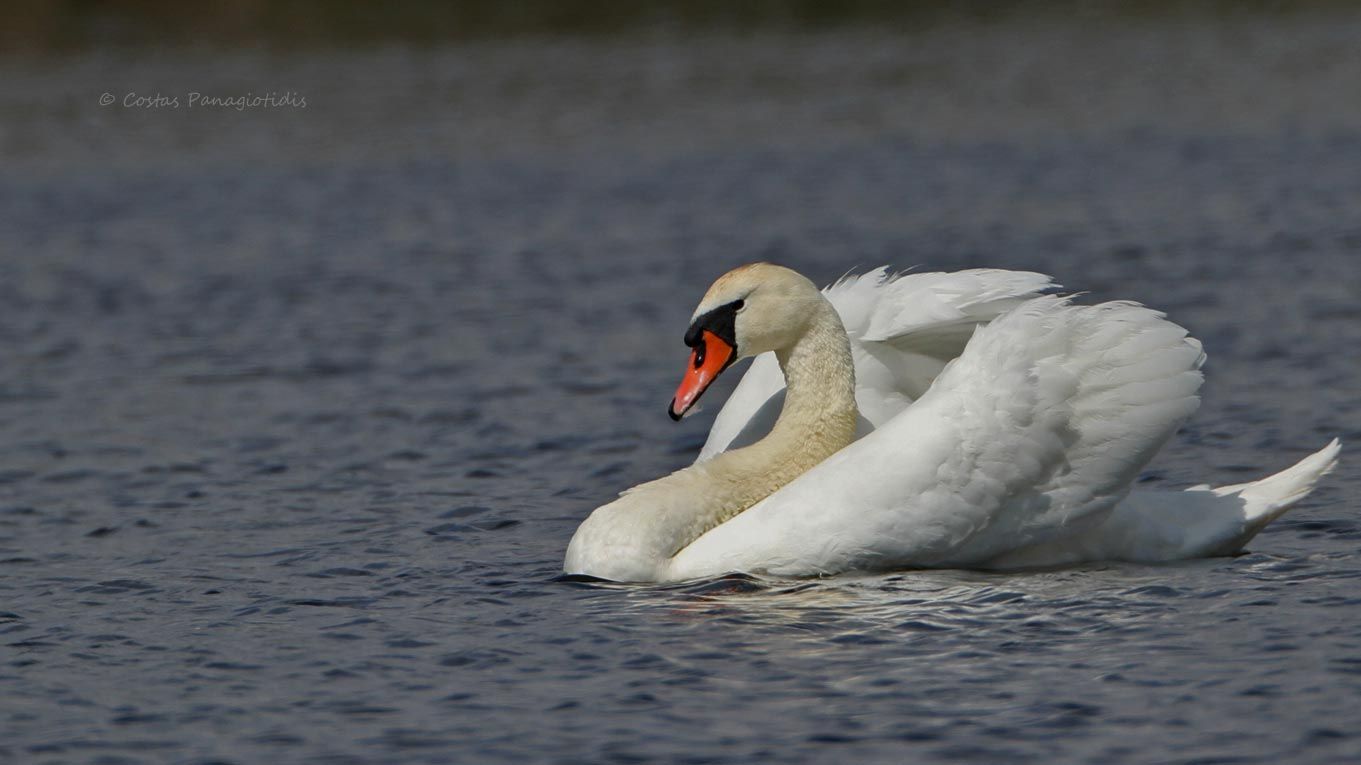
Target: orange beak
[{"x": 708, "y": 359}]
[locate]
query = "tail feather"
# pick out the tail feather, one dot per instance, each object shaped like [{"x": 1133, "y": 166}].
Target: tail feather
[
  {"x": 1154, "y": 526},
  {"x": 1268, "y": 499}
]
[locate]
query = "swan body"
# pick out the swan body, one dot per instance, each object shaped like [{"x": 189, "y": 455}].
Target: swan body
[{"x": 927, "y": 420}]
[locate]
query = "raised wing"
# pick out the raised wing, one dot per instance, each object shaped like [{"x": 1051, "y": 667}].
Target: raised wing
[
  {"x": 1036, "y": 430},
  {"x": 904, "y": 329}
]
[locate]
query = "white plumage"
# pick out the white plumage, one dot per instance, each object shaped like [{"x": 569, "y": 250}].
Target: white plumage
[
  {"x": 903, "y": 330},
  {"x": 997, "y": 428}
]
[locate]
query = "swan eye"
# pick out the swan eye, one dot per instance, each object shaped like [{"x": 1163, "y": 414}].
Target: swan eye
[{"x": 738, "y": 304}]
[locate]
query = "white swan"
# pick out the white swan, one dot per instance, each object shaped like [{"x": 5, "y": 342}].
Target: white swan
[{"x": 1018, "y": 453}]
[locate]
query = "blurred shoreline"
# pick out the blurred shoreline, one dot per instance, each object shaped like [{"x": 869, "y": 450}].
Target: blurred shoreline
[{"x": 37, "y": 27}]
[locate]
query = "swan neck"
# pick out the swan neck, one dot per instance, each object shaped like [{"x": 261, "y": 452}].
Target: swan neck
[
  {"x": 818, "y": 420},
  {"x": 819, "y": 376},
  {"x": 635, "y": 537}
]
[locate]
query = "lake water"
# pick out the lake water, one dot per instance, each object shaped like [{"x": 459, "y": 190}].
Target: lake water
[{"x": 299, "y": 406}]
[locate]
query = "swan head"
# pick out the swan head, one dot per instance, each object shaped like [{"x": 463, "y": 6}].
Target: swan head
[{"x": 750, "y": 310}]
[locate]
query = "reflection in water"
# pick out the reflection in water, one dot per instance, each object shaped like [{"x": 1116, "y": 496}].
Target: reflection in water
[{"x": 915, "y": 601}]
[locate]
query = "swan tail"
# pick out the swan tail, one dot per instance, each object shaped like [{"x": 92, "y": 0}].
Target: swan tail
[
  {"x": 1268, "y": 499},
  {"x": 1200, "y": 522}
]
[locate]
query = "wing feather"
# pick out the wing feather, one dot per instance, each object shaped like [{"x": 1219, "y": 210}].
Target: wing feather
[
  {"x": 904, "y": 329},
  {"x": 1035, "y": 430}
]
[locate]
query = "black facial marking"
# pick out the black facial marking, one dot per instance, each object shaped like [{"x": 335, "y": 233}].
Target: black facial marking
[{"x": 722, "y": 321}]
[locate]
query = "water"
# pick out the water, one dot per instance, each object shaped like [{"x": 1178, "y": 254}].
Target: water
[{"x": 298, "y": 409}]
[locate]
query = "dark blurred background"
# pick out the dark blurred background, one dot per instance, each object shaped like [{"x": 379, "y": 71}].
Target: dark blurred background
[{"x": 72, "y": 24}]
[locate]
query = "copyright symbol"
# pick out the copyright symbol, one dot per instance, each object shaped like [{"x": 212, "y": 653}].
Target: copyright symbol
[{"x": 106, "y": 99}]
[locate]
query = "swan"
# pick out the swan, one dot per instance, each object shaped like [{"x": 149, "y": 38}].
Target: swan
[{"x": 927, "y": 420}]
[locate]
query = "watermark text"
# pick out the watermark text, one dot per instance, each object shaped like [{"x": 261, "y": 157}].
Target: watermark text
[{"x": 193, "y": 99}]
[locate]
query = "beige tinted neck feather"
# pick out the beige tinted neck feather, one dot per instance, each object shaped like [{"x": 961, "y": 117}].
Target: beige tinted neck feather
[{"x": 818, "y": 420}]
